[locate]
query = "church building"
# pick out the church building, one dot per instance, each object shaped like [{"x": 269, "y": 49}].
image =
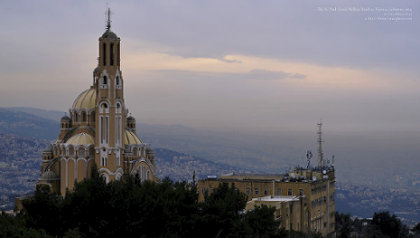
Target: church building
[{"x": 98, "y": 131}]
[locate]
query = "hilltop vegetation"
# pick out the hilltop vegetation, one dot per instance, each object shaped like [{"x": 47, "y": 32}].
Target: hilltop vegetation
[{"x": 129, "y": 208}]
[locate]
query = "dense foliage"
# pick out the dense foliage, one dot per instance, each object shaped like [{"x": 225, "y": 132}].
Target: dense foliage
[
  {"x": 382, "y": 225},
  {"x": 130, "y": 208}
]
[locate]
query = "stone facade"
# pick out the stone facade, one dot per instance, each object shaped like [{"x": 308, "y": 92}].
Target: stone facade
[
  {"x": 98, "y": 130},
  {"x": 314, "y": 189}
]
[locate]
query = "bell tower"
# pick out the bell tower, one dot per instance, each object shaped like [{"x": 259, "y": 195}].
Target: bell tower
[{"x": 110, "y": 107}]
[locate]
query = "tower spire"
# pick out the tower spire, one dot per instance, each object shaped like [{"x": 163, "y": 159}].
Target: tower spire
[{"x": 108, "y": 22}]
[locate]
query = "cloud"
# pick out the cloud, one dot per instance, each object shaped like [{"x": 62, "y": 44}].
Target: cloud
[{"x": 262, "y": 74}]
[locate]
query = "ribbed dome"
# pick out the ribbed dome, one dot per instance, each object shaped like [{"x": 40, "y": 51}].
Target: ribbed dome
[
  {"x": 86, "y": 100},
  {"x": 131, "y": 119},
  {"x": 130, "y": 138},
  {"x": 109, "y": 34},
  {"x": 81, "y": 139},
  {"x": 65, "y": 119},
  {"x": 49, "y": 175}
]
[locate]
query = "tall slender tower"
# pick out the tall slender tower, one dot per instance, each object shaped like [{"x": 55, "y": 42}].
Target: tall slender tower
[
  {"x": 320, "y": 153},
  {"x": 110, "y": 107}
]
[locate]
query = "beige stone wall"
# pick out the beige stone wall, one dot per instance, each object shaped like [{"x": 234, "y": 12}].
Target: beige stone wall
[{"x": 319, "y": 197}]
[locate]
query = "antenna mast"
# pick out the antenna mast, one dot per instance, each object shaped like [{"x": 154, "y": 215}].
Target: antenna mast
[{"x": 320, "y": 153}]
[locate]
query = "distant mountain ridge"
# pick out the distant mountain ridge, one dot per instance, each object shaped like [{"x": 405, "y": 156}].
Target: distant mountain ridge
[
  {"x": 25, "y": 124},
  {"x": 182, "y": 150}
]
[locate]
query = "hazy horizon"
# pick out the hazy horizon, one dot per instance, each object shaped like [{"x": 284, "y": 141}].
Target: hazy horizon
[{"x": 244, "y": 66}]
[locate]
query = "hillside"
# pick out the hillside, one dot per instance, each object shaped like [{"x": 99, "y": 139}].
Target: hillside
[
  {"x": 181, "y": 150},
  {"x": 27, "y": 125}
]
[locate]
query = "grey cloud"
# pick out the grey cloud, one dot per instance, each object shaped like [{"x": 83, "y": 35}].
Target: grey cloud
[
  {"x": 272, "y": 75},
  {"x": 255, "y": 74}
]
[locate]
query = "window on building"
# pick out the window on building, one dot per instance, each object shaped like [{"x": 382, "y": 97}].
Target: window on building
[
  {"x": 112, "y": 54},
  {"x": 247, "y": 191},
  {"x": 104, "y": 161},
  {"x": 265, "y": 192},
  {"x": 278, "y": 192},
  {"x": 104, "y": 80},
  {"x": 289, "y": 192},
  {"x": 83, "y": 116},
  {"x": 300, "y": 192},
  {"x": 104, "y": 53},
  {"x": 256, "y": 191},
  {"x": 106, "y": 129},
  {"x": 117, "y": 81}
]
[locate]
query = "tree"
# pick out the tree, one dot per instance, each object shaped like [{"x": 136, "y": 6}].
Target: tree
[
  {"x": 220, "y": 212},
  {"x": 260, "y": 222},
  {"x": 343, "y": 224},
  {"x": 389, "y": 225},
  {"x": 416, "y": 230},
  {"x": 14, "y": 226}
]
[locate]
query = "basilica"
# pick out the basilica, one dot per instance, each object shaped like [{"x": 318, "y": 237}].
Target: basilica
[{"x": 98, "y": 130}]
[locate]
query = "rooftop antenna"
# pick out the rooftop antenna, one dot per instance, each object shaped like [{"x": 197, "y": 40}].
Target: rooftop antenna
[
  {"x": 308, "y": 158},
  {"x": 320, "y": 153}
]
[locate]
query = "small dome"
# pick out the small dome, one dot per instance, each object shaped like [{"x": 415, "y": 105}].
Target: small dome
[
  {"x": 49, "y": 175},
  {"x": 49, "y": 149},
  {"x": 95, "y": 71},
  {"x": 65, "y": 119},
  {"x": 86, "y": 100},
  {"x": 131, "y": 119},
  {"x": 109, "y": 34},
  {"x": 81, "y": 139},
  {"x": 130, "y": 138}
]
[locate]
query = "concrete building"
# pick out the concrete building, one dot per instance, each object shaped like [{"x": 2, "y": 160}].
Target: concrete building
[
  {"x": 98, "y": 130},
  {"x": 304, "y": 198}
]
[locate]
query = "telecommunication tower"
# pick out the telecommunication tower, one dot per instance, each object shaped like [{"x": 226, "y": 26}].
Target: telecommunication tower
[{"x": 320, "y": 153}]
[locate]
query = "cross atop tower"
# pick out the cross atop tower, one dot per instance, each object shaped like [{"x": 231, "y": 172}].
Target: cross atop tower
[{"x": 108, "y": 22}]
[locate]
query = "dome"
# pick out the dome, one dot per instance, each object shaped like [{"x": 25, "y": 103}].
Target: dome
[
  {"x": 131, "y": 138},
  {"x": 95, "y": 71},
  {"x": 86, "y": 100},
  {"x": 81, "y": 139},
  {"x": 49, "y": 175},
  {"x": 49, "y": 149},
  {"x": 131, "y": 119},
  {"x": 109, "y": 34},
  {"x": 65, "y": 119}
]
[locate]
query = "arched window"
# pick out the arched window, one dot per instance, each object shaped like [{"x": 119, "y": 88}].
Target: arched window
[
  {"x": 104, "y": 80},
  {"x": 83, "y": 116},
  {"x": 117, "y": 81},
  {"x": 75, "y": 116},
  {"x": 112, "y": 54},
  {"x": 104, "y": 53},
  {"x": 104, "y": 123},
  {"x": 104, "y": 107},
  {"x": 104, "y": 161}
]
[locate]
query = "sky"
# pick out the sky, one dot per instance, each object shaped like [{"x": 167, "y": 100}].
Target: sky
[{"x": 254, "y": 66}]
